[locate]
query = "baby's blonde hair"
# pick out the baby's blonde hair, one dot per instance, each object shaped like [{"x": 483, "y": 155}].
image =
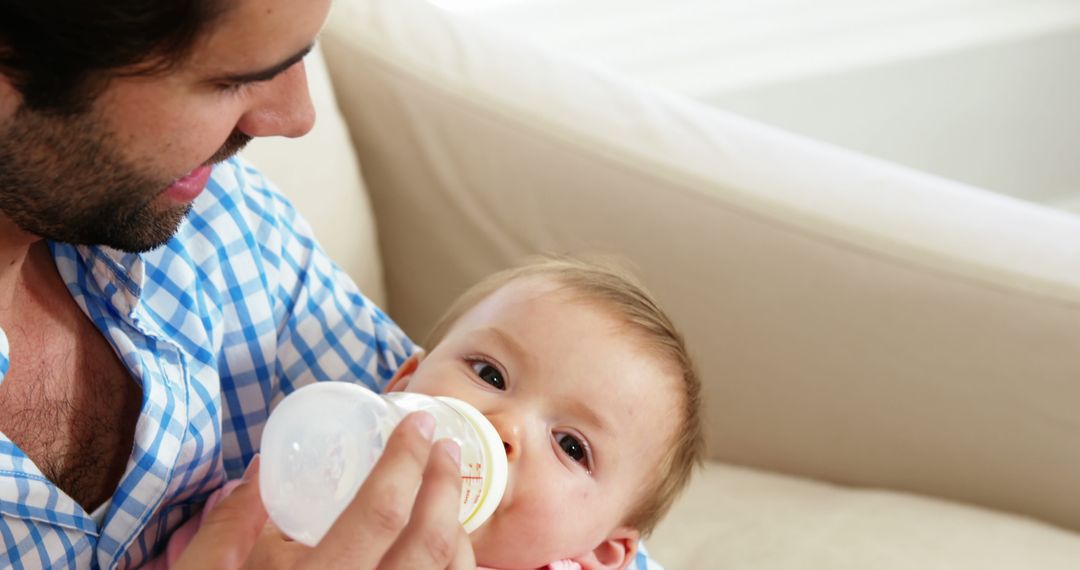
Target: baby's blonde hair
[{"x": 614, "y": 289}]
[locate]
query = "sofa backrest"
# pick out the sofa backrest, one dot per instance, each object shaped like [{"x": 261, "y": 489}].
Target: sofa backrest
[
  {"x": 854, "y": 321},
  {"x": 320, "y": 175}
]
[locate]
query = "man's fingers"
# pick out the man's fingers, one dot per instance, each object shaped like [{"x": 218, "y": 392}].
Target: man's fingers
[
  {"x": 380, "y": 511},
  {"x": 431, "y": 538},
  {"x": 229, "y": 531},
  {"x": 275, "y": 551},
  {"x": 464, "y": 558}
]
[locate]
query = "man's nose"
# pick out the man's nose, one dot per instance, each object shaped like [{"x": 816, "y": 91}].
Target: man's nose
[{"x": 283, "y": 109}]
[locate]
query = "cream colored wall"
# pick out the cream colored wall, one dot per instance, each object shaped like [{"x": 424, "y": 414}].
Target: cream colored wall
[
  {"x": 1003, "y": 117},
  {"x": 981, "y": 91}
]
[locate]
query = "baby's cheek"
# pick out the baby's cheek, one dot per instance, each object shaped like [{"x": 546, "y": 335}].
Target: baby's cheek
[
  {"x": 549, "y": 523},
  {"x": 525, "y": 536},
  {"x": 570, "y": 520},
  {"x": 548, "y": 520},
  {"x": 543, "y": 513}
]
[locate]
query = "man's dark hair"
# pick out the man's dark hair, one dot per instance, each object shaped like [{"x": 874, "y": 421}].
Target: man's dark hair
[{"x": 59, "y": 54}]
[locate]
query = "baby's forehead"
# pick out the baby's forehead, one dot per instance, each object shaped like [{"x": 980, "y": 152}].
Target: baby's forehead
[
  {"x": 636, "y": 335},
  {"x": 539, "y": 296},
  {"x": 530, "y": 300}
]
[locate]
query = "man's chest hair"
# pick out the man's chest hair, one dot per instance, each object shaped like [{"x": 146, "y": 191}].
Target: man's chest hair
[{"x": 70, "y": 405}]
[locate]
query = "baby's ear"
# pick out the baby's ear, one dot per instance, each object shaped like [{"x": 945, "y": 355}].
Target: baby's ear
[
  {"x": 406, "y": 370},
  {"x": 615, "y": 553}
]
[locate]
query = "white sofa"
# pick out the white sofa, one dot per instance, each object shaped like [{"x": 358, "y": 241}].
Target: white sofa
[{"x": 891, "y": 361}]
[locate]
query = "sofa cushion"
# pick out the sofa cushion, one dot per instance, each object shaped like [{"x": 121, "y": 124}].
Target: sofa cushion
[
  {"x": 734, "y": 517},
  {"x": 320, "y": 174},
  {"x": 854, "y": 321}
]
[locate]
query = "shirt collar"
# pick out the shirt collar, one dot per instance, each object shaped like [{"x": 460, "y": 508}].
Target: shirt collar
[
  {"x": 118, "y": 275},
  {"x": 5, "y": 358}
]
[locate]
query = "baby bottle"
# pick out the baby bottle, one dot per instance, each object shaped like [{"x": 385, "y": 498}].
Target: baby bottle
[{"x": 321, "y": 442}]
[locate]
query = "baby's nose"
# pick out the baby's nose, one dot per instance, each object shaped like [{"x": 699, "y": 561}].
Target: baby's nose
[
  {"x": 512, "y": 431},
  {"x": 511, "y": 451}
]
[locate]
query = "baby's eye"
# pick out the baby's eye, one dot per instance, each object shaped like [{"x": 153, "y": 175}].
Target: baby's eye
[
  {"x": 489, "y": 374},
  {"x": 575, "y": 449}
]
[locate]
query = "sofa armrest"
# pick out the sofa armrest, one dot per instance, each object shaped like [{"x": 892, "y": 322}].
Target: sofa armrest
[{"x": 854, "y": 321}]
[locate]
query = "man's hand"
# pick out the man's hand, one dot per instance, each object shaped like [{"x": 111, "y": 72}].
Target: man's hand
[{"x": 389, "y": 525}]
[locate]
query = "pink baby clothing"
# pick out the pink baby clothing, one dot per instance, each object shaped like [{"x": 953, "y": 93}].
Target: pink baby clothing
[{"x": 557, "y": 565}]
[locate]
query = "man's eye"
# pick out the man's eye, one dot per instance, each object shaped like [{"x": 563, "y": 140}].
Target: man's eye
[
  {"x": 489, "y": 374},
  {"x": 232, "y": 88},
  {"x": 574, "y": 449}
]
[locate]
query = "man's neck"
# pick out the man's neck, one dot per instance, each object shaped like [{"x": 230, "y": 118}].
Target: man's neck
[{"x": 14, "y": 249}]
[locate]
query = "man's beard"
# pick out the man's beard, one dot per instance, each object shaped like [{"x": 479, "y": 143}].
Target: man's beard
[{"x": 63, "y": 179}]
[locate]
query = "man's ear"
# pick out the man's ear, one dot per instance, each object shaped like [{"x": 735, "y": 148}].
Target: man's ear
[
  {"x": 10, "y": 98},
  {"x": 404, "y": 372},
  {"x": 615, "y": 553}
]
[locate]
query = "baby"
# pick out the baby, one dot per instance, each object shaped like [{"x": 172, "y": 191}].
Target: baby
[{"x": 596, "y": 400}]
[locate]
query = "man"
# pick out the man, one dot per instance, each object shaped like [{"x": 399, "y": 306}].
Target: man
[
  {"x": 157, "y": 296},
  {"x": 152, "y": 307}
]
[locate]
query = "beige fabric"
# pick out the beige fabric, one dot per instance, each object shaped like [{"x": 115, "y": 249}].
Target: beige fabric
[
  {"x": 854, "y": 321},
  {"x": 319, "y": 173},
  {"x": 736, "y": 518}
]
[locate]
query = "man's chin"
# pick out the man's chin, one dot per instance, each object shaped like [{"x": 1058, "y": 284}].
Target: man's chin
[{"x": 143, "y": 235}]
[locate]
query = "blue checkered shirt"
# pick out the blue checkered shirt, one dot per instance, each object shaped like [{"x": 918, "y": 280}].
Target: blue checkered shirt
[{"x": 240, "y": 308}]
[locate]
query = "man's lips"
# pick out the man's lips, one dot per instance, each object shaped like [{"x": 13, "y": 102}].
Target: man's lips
[{"x": 188, "y": 187}]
